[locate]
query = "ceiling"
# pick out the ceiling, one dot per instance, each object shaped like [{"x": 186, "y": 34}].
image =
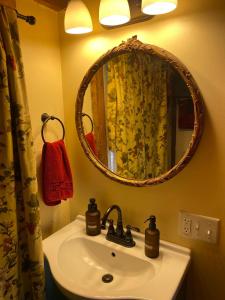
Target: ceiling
[{"x": 57, "y": 5}]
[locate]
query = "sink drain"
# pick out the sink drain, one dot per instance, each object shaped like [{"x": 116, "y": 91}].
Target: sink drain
[{"x": 107, "y": 278}]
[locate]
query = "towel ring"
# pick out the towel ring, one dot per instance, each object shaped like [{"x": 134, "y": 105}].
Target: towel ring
[
  {"x": 45, "y": 118},
  {"x": 86, "y": 115}
]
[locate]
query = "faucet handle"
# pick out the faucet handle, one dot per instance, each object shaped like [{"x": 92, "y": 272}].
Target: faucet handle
[
  {"x": 128, "y": 236},
  {"x": 103, "y": 224},
  {"x": 111, "y": 229},
  {"x": 133, "y": 228}
]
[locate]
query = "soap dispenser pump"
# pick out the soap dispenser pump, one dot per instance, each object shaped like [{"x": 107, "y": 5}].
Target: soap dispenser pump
[
  {"x": 93, "y": 226},
  {"x": 152, "y": 236}
]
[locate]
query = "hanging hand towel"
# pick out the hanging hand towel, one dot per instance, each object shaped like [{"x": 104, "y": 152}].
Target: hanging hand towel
[
  {"x": 91, "y": 142},
  {"x": 57, "y": 181}
]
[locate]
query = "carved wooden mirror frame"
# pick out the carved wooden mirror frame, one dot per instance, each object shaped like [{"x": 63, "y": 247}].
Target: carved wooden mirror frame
[{"x": 126, "y": 47}]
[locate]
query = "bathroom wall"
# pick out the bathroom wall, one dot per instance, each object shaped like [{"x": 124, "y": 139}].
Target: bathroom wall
[
  {"x": 195, "y": 34},
  {"x": 41, "y": 57}
]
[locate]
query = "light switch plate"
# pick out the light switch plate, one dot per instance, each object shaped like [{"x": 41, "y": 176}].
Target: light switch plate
[{"x": 198, "y": 227}]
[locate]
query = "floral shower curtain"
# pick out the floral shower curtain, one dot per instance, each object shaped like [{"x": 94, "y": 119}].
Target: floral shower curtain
[
  {"x": 21, "y": 258},
  {"x": 136, "y": 113}
]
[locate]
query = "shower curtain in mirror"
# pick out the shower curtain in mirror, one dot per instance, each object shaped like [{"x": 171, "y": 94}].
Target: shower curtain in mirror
[
  {"x": 21, "y": 258},
  {"x": 136, "y": 114}
]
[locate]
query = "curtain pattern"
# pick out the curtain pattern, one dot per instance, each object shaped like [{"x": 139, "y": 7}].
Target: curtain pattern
[
  {"x": 8, "y": 3},
  {"x": 136, "y": 109},
  {"x": 21, "y": 258}
]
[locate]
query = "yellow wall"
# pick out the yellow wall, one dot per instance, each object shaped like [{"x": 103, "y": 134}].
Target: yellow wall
[
  {"x": 41, "y": 57},
  {"x": 195, "y": 34}
]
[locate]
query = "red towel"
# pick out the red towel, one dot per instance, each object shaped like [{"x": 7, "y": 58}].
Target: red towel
[
  {"x": 57, "y": 181},
  {"x": 91, "y": 142}
]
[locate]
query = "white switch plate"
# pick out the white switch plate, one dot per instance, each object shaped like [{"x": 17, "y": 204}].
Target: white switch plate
[{"x": 198, "y": 227}]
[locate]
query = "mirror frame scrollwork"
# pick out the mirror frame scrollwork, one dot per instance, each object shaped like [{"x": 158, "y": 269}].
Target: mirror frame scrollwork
[{"x": 133, "y": 44}]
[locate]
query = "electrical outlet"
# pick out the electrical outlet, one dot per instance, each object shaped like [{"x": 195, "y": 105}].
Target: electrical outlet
[
  {"x": 186, "y": 226},
  {"x": 198, "y": 227}
]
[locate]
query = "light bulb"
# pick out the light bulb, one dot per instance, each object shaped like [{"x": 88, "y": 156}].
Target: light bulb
[
  {"x": 158, "y": 7},
  {"x": 114, "y": 12},
  {"x": 77, "y": 18}
]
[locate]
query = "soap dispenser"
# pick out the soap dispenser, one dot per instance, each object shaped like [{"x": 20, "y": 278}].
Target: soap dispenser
[
  {"x": 93, "y": 226},
  {"x": 152, "y": 235}
]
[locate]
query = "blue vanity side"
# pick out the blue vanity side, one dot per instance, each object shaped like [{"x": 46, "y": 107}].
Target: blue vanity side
[{"x": 51, "y": 289}]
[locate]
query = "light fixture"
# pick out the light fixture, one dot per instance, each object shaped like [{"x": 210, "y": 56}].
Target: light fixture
[
  {"x": 77, "y": 18},
  {"x": 114, "y": 12},
  {"x": 158, "y": 7}
]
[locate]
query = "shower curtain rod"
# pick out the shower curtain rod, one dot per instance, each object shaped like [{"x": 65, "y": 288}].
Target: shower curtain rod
[{"x": 29, "y": 19}]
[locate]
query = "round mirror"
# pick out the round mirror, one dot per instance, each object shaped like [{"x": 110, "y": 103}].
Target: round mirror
[{"x": 139, "y": 114}]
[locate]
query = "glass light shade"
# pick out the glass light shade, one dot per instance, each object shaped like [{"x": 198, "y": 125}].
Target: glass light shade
[
  {"x": 158, "y": 7},
  {"x": 114, "y": 12},
  {"x": 77, "y": 18}
]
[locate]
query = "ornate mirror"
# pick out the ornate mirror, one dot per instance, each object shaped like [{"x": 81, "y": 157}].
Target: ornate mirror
[{"x": 139, "y": 114}]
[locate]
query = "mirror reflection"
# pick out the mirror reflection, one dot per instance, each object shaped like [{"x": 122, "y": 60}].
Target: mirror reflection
[{"x": 138, "y": 115}]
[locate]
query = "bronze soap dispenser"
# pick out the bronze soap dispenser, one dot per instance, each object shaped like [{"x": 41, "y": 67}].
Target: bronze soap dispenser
[
  {"x": 152, "y": 236},
  {"x": 93, "y": 220}
]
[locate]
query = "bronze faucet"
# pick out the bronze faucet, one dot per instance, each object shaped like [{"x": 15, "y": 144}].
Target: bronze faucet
[{"x": 118, "y": 236}]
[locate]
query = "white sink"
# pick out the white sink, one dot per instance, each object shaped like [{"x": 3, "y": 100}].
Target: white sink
[{"x": 78, "y": 263}]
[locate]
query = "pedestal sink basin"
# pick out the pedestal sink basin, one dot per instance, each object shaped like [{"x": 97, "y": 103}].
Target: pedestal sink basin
[{"x": 93, "y": 268}]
